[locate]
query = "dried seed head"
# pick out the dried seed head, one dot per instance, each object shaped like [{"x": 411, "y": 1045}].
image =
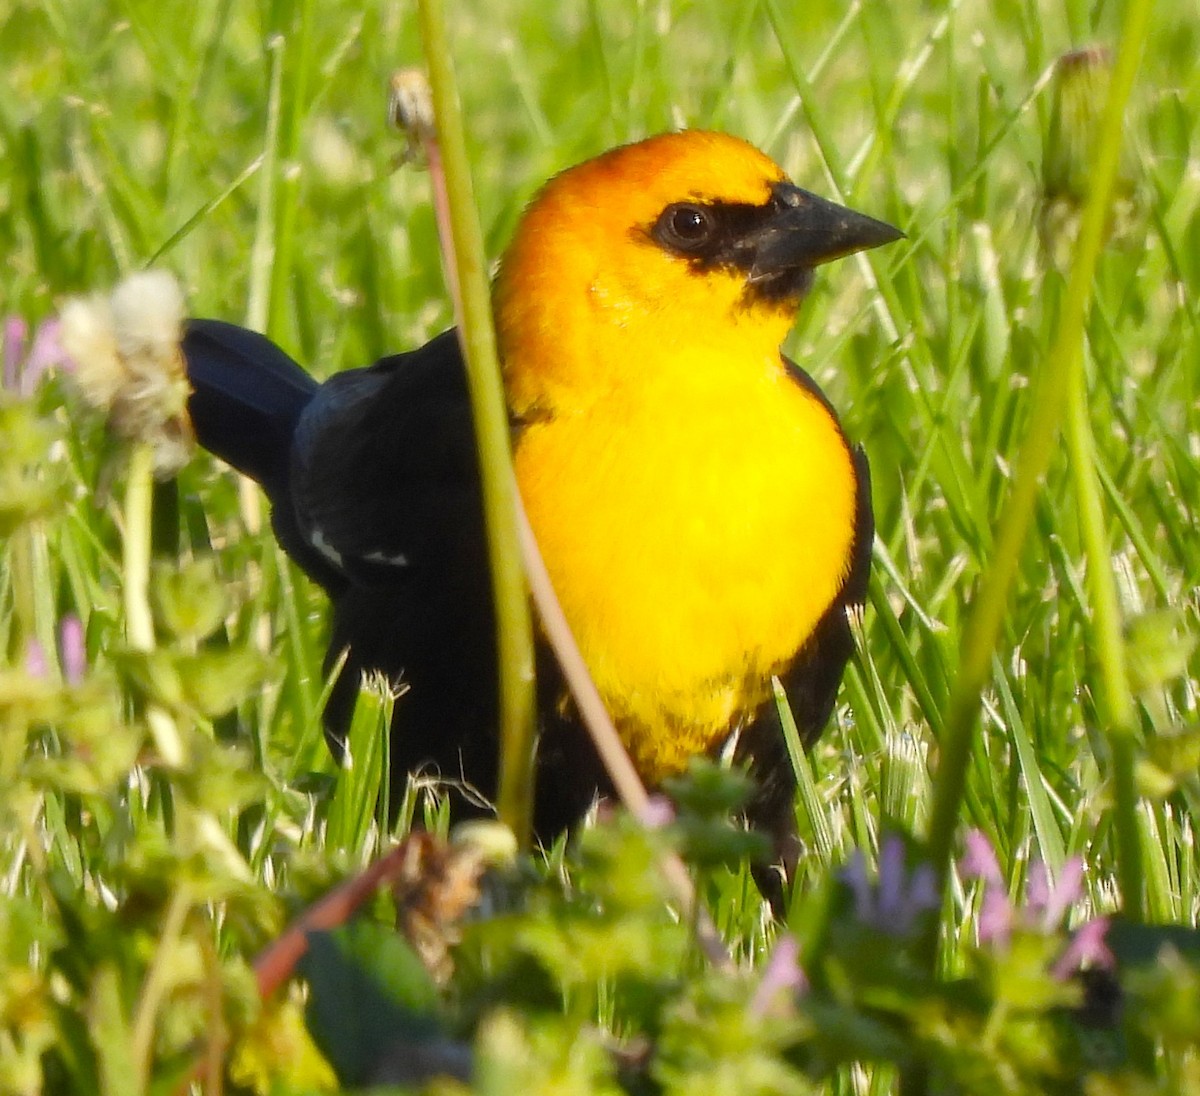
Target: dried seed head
[
  {"x": 129, "y": 363},
  {"x": 87, "y": 335},
  {"x": 1080, "y": 92},
  {"x": 410, "y": 110}
]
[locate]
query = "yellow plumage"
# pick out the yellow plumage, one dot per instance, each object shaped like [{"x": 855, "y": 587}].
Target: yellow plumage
[{"x": 693, "y": 502}]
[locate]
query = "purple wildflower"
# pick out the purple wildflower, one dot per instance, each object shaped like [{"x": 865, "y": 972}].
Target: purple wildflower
[
  {"x": 997, "y": 916},
  {"x": 25, "y": 365},
  {"x": 1086, "y": 949},
  {"x": 781, "y": 973},
  {"x": 980, "y": 861},
  {"x": 899, "y": 897},
  {"x": 658, "y": 812},
  {"x": 72, "y": 652},
  {"x": 16, "y": 331},
  {"x": 72, "y": 649},
  {"x": 35, "y": 660},
  {"x": 1047, "y": 905}
]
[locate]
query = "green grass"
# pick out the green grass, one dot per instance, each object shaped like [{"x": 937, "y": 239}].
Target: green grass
[{"x": 246, "y": 148}]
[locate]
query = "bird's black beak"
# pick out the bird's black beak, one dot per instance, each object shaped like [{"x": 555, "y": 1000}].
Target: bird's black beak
[{"x": 804, "y": 230}]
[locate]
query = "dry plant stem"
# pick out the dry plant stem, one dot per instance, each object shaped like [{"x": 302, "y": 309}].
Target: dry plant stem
[
  {"x": 277, "y": 962},
  {"x": 211, "y": 1069},
  {"x": 629, "y": 786},
  {"x": 604, "y": 735},
  {"x": 156, "y": 984},
  {"x": 262, "y": 251},
  {"x": 441, "y": 209},
  {"x": 514, "y": 626}
]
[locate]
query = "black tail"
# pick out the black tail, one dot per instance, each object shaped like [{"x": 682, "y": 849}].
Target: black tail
[{"x": 247, "y": 397}]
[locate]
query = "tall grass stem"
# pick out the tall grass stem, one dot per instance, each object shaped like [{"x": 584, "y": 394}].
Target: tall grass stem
[
  {"x": 478, "y": 338},
  {"x": 1062, "y": 370}
]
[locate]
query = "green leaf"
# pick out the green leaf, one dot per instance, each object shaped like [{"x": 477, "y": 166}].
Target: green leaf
[
  {"x": 1141, "y": 945},
  {"x": 709, "y": 843},
  {"x": 368, "y": 991},
  {"x": 191, "y": 599},
  {"x": 214, "y": 681},
  {"x": 1158, "y": 649},
  {"x": 32, "y": 485},
  {"x": 709, "y": 789},
  {"x": 111, "y": 1035}
]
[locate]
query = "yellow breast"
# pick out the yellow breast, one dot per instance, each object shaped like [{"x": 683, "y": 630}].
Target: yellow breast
[{"x": 696, "y": 526}]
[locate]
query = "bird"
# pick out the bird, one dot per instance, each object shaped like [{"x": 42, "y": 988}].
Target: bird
[{"x": 704, "y": 519}]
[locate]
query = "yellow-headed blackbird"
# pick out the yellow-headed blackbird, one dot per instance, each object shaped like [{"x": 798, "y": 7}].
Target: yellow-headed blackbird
[{"x": 704, "y": 520}]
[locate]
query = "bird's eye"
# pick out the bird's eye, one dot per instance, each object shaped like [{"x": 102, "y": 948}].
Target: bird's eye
[{"x": 684, "y": 227}]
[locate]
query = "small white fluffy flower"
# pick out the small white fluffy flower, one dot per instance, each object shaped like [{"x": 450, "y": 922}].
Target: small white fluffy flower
[
  {"x": 147, "y": 312},
  {"x": 87, "y": 336},
  {"x": 129, "y": 364}
]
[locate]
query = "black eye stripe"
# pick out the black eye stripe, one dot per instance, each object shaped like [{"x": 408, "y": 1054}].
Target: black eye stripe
[
  {"x": 715, "y": 234},
  {"x": 711, "y": 233}
]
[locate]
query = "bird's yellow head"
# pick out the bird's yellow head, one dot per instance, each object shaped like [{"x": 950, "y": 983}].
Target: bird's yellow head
[{"x": 682, "y": 248}]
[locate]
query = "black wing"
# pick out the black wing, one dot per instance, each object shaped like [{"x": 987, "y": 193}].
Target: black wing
[
  {"x": 384, "y": 466},
  {"x": 247, "y": 398},
  {"x": 368, "y": 474},
  {"x": 374, "y": 485}
]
